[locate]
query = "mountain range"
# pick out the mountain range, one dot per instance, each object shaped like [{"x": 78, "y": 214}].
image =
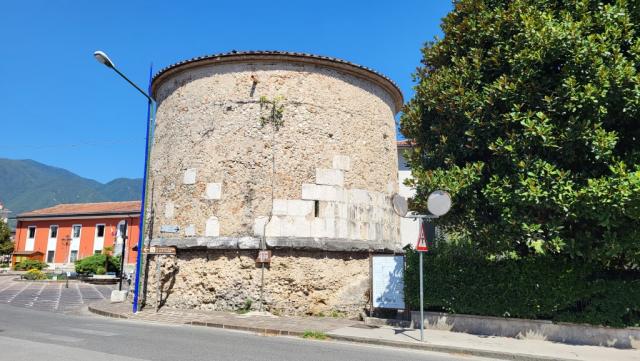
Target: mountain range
[{"x": 27, "y": 185}]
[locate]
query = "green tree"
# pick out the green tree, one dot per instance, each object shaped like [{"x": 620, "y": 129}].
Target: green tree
[
  {"x": 527, "y": 112},
  {"x": 6, "y": 245}
]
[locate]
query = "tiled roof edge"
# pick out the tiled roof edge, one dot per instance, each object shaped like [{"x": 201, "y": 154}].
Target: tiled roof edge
[{"x": 398, "y": 98}]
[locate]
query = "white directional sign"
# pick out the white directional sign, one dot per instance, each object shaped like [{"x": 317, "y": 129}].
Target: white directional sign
[{"x": 388, "y": 281}]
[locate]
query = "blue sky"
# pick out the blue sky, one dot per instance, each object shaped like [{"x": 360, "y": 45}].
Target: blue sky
[{"x": 60, "y": 107}]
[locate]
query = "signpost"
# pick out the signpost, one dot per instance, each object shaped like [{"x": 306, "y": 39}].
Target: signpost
[
  {"x": 264, "y": 256},
  {"x": 387, "y": 281},
  {"x": 159, "y": 251},
  {"x": 438, "y": 203}
]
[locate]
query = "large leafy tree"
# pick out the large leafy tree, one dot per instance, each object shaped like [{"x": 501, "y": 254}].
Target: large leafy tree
[
  {"x": 528, "y": 113},
  {"x": 6, "y": 245}
]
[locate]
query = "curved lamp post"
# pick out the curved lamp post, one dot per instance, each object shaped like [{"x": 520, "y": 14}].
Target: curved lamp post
[{"x": 104, "y": 59}]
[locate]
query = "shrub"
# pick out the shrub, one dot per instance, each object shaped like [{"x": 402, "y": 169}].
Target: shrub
[
  {"x": 29, "y": 264},
  {"x": 96, "y": 264},
  {"x": 34, "y": 274},
  {"x": 557, "y": 289}
]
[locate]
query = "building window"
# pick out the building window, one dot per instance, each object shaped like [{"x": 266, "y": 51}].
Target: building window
[
  {"x": 50, "y": 256},
  {"x": 53, "y": 232},
  {"x": 32, "y": 232},
  {"x": 100, "y": 231},
  {"x": 76, "y": 231},
  {"x": 73, "y": 256}
]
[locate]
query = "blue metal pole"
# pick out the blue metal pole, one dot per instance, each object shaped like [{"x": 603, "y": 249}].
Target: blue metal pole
[{"x": 141, "y": 224}]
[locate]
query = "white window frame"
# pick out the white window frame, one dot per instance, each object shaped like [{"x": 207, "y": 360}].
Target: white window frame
[
  {"x": 54, "y": 256},
  {"x": 96, "y": 238},
  {"x": 52, "y": 242},
  {"x": 75, "y": 242},
  {"x": 29, "y": 244}
]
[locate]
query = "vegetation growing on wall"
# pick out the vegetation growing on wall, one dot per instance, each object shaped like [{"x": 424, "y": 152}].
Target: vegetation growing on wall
[{"x": 272, "y": 111}]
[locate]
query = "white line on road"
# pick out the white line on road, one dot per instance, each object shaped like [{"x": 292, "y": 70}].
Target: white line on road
[
  {"x": 80, "y": 294},
  {"x": 6, "y": 288},
  {"x": 100, "y": 293},
  {"x": 36, "y": 296},
  {"x": 59, "y": 296},
  {"x": 90, "y": 332},
  {"x": 19, "y": 292}
]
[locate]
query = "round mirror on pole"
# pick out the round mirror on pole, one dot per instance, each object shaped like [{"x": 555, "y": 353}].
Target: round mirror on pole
[
  {"x": 439, "y": 203},
  {"x": 400, "y": 205}
]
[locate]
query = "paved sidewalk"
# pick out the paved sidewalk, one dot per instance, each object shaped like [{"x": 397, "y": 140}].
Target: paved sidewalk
[{"x": 356, "y": 331}]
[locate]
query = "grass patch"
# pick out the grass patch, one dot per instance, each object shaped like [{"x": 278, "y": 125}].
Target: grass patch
[{"x": 318, "y": 335}]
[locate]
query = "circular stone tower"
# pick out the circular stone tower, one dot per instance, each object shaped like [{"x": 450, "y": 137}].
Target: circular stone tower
[{"x": 287, "y": 152}]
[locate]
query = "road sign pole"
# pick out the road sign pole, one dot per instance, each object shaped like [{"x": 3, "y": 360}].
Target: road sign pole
[{"x": 421, "y": 301}]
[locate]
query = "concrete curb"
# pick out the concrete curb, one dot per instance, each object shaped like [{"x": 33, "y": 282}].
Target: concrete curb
[
  {"x": 369, "y": 341},
  {"x": 106, "y": 313},
  {"x": 446, "y": 349},
  {"x": 259, "y": 330}
]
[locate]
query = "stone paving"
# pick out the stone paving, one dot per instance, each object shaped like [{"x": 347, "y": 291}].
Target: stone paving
[{"x": 51, "y": 296}]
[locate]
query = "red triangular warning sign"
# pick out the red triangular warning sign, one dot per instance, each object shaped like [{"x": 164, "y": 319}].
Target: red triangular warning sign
[{"x": 421, "y": 246}]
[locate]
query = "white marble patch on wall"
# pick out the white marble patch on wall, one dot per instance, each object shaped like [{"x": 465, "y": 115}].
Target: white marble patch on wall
[
  {"x": 342, "y": 162},
  {"x": 169, "y": 210},
  {"x": 212, "y": 228},
  {"x": 330, "y": 177},
  {"x": 189, "y": 176},
  {"x": 213, "y": 191}
]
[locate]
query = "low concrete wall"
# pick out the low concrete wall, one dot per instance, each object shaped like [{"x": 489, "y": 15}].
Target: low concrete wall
[{"x": 569, "y": 333}]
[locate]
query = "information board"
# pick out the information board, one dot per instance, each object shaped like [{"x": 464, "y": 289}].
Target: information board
[{"x": 387, "y": 274}]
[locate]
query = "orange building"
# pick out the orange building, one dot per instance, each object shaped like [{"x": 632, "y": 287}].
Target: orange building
[{"x": 65, "y": 233}]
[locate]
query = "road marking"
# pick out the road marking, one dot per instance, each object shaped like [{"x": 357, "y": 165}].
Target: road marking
[
  {"x": 53, "y": 337},
  {"x": 100, "y": 293},
  {"x": 35, "y": 297},
  {"x": 59, "y": 296},
  {"x": 79, "y": 293},
  {"x": 23, "y": 288},
  {"x": 90, "y": 332},
  {"x": 6, "y": 288}
]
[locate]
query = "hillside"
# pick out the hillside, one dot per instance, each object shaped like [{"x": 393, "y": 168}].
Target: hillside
[{"x": 26, "y": 185}]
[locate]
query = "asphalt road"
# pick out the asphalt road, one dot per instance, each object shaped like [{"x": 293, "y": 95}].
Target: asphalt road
[{"x": 27, "y": 334}]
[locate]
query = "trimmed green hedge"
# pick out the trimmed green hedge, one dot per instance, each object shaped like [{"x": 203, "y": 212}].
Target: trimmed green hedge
[
  {"x": 96, "y": 264},
  {"x": 534, "y": 288}
]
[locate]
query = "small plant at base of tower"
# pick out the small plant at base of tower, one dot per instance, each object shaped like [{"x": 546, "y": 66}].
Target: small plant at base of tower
[
  {"x": 246, "y": 307},
  {"x": 274, "y": 109}
]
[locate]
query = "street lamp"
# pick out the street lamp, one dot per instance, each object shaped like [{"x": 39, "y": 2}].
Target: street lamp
[
  {"x": 104, "y": 59},
  {"x": 66, "y": 240}
]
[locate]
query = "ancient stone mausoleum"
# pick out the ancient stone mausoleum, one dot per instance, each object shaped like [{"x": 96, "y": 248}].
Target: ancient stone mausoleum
[{"x": 294, "y": 150}]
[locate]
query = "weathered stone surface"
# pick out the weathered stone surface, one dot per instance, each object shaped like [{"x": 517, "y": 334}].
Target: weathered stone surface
[
  {"x": 208, "y": 131},
  {"x": 318, "y": 186},
  {"x": 304, "y": 243},
  {"x": 296, "y": 282}
]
